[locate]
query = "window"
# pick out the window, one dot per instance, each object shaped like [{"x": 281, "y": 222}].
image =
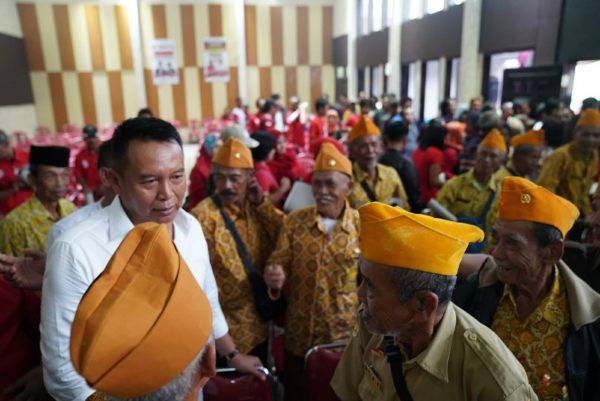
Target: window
[
  {"x": 377, "y": 10},
  {"x": 376, "y": 81},
  {"x": 434, "y": 6},
  {"x": 504, "y": 61},
  {"x": 363, "y": 17},
  {"x": 432, "y": 89},
  {"x": 413, "y": 9},
  {"x": 412, "y": 77},
  {"x": 585, "y": 83},
  {"x": 455, "y": 2},
  {"x": 455, "y": 68}
]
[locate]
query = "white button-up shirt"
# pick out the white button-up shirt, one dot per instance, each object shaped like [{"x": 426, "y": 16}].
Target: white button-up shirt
[
  {"x": 71, "y": 221},
  {"x": 74, "y": 261}
]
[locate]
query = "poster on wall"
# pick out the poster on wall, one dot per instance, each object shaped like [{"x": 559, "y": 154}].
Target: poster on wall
[
  {"x": 216, "y": 60},
  {"x": 165, "y": 70}
]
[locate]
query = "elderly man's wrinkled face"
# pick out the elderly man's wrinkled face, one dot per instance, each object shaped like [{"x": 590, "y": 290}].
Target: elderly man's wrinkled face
[
  {"x": 515, "y": 250},
  {"x": 488, "y": 160},
  {"x": 330, "y": 189},
  {"x": 529, "y": 163},
  {"x": 231, "y": 184},
  {"x": 51, "y": 183},
  {"x": 382, "y": 311},
  {"x": 366, "y": 150}
]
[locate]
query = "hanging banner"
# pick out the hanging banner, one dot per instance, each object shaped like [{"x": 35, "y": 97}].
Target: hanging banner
[
  {"x": 165, "y": 70},
  {"x": 216, "y": 60}
]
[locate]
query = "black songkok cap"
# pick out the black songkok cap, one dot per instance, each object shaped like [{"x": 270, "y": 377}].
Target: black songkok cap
[{"x": 56, "y": 156}]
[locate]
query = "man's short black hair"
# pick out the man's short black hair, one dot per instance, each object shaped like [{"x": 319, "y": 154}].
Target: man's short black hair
[
  {"x": 267, "y": 143},
  {"x": 141, "y": 129},
  {"x": 545, "y": 234},
  {"x": 320, "y": 103},
  {"x": 105, "y": 155},
  {"x": 145, "y": 112},
  {"x": 365, "y": 102},
  {"x": 396, "y": 132},
  {"x": 267, "y": 106}
]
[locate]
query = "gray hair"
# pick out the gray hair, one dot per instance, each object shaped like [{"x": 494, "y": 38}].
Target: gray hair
[
  {"x": 488, "y": 120},
  {"x": 408, "y": 282},
  {"x": 177, "y": 389}
]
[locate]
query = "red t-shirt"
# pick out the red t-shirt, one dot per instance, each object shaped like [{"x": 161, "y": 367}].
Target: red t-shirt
[
  {"x": 9, "y": 170},
  {"x": 296, "y": 130},
  {"x": 265, "y": 177},
  {"x": 317, "y": 128},
  {"x": 86, "y": 166},
  {"x": 198, "y": 189},
  {"x": 423, "y": 160}
]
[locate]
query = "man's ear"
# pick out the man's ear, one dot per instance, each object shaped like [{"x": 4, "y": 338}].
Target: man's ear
[
  {"x": 208, "y": 364},
  {"x": 113, "y": 179},
  {"x": 424, "y": 305},
  {"x": 553, "y": 253}
]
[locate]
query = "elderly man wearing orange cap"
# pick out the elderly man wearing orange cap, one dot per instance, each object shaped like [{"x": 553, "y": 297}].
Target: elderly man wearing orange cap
[
  {"x": 570, "y": 171},
  {"x": 373, "y": 181},
  {"x": 161, "y": 354},
  {"x": 239, "y": 248},
  {"x": 545, "y": 314},
  {"x": 411, "y": 341},
  {"x": 149, "y": 180},
  {"x": 469, "y": 196},
  {"x": 526, "y": 157},
  {"x": 317, "y": 254}
]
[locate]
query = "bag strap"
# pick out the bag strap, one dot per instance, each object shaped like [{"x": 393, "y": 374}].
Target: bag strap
[
  {"x": 395, "y": 360},
  {"x": 241, "y": 248},
  {"x": 369, "y": 191},
  {"x": 486, "y": 209}
]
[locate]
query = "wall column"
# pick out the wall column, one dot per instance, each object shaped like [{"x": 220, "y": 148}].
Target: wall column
[
  {"x": 394, "y": 49},
  {"x": 471, "y": 61}
]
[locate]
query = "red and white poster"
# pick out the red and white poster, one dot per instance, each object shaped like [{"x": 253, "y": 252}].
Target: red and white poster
[
  {"x": 216, "y": 60},
  {"x": 165, "y": 70}
]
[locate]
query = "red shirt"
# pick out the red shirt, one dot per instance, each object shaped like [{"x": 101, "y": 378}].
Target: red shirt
[
  {"x": 317, "y": 128},
  {"x": 86, "y": 166},
  {"x": 423, "y": 160},
  {"x": 296, "y": 130},
  {"x": 265, "y": 177},
  {"x": 19, "y": 336},
  {"x": 198, "y": 189},
  {"x": 9, "y": 170}
]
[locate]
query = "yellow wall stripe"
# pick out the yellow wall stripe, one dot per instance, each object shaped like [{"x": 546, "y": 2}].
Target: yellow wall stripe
[
  {"x": 253, "y": 85},
  {"x": 315, "y": 35},
  {"x": 50, "y": 47},
  {"x": 278, "y": 82},
  {"x": 173, "y": 18},
  {"x": 201, "y": 21},
  {"x": 290, "y": 36},
  {"x": 95, "y": 36},
  {"x": 229, "y": 31},
  {"x": 110, "y": 38},
  {"x": 192, "y": 95},
  {"x": 219, "y": 97},
  {"x": 102, "y": 97},
  {"x": 263, "y": 35},
  {"x": 73, "y": 98},
  {"x": 328, "y": 80},
  {"x": 81, "y": 44},
  {"x": 303, "y": 80},
  {"x": 147, "y": 28},
  {"x": 165, "y": 102},
  {"x": 129, "y": 93},
  {"x": 43, "y": 99}
]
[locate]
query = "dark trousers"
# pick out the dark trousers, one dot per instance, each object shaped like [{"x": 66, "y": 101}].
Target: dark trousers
[{"x": 294, "y": 377}]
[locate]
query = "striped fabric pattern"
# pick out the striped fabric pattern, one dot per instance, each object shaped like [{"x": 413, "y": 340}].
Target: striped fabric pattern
[{"x": 82, "y": 70}]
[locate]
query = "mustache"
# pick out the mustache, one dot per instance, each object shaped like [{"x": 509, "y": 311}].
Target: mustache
[
  {"x": 227, "y": 192},
  {"x": 324, "y": 198}
]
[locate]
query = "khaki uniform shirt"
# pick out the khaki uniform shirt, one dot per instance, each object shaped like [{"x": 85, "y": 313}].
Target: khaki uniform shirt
[
  {"x": 465, "y": 197},
  {"x": 464, "y": 361},
  {"x": 566, "y": 174},
  {"x": 321, "y": 270},
  {"x": 28, "y": 225},
  {"x": 258, "y": 227},
  {"x": 387, "y": 187}
]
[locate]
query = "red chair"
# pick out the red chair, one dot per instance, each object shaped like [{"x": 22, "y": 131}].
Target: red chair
[
  {"x": 319, "y": 365},
  {"x": 229, "y": 385}
]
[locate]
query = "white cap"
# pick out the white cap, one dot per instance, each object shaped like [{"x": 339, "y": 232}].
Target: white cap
[{"x": 234, "y": 131}]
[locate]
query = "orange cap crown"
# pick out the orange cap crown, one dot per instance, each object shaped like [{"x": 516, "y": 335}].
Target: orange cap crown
[
  {"x": 394, "y": 237},
  {"x": 494, "y": 140},
  {"x": 364, "y": 127},
  {"x": 521, "y": 199},
  {"x": 233, "y": 154},
  {"x": 533, "y": 137},
  {"x": 589, "y": 117},
  {"x": 331, "y": 159},
  {"x": 143, "y": 320}
]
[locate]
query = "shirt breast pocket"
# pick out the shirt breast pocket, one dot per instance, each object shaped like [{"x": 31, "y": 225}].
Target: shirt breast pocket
[{"x": 368, "y": 389}]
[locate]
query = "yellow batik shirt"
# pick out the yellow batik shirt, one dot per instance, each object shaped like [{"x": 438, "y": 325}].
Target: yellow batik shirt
[
  {"x": 388, "y": 187},
  {"x": 28, "y": 225},
  {"x": 321, "y": 271},
  {"x": 538, "y": 341},
  {"x": 566, "y": 174},
  {"x": 463, "y": 196},
  {"x": 258, "y": 226}
]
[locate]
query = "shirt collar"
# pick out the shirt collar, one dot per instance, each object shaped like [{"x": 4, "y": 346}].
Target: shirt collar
[
  {"x": 345, "y": 222},
  {"x": 491, "y": 183},
  {"x": 119, "y": 223},
  {"x": 37, "y": 204},
  {"x": 436, "y": 357},
  {"x": 361, "y": 174}
]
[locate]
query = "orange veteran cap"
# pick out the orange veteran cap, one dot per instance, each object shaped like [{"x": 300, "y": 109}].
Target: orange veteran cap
[
  {"x": 143, "y": 320},
  {"x": 233, "y": 154},
  {"x": 533, "y": 137},
  {"x": 521, "y": 199},
  {"x": 364, "y": 127},
  {"x": 494, "y": 140},
  {"x": 589, "y": 117},
  {"x": 394, "y": 237},
  {"x": 331, "y": 159}
]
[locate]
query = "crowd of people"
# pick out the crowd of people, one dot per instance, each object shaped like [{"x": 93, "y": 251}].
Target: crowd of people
[{"x": 416, "y": 236}]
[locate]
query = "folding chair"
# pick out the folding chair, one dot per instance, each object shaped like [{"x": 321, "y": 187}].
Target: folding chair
[
  {"x": 319, "y": 365},
  {"x": 230, "y": 385}
]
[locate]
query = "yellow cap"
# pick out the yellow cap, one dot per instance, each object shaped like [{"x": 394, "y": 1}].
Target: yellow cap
[
  {"x": 521, "y": 199},
  {"x": 143, "y": 320},
  {"x": 394, "y": 237},
  {"x": 533, "y": 137},
  {"x": 364, "y": 127},
  {"x": 589, "y": 117},
  {"x": 331, "y": 159},
  {"x": 494, "y": 140},
  {"x": 233, "y": 154}
]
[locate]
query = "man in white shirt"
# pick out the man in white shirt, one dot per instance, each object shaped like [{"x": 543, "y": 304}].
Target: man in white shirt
[{"x": 149, "y": 181}]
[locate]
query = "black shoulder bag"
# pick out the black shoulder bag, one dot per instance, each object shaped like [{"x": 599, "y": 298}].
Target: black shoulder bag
[
  {"x": 369, "y": 191},
  {"x": 267, "y": 308},
  {"x": 394, "y": 358}
]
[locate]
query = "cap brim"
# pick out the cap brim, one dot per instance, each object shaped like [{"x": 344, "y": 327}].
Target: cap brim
[{"x": 251, "y": 143}]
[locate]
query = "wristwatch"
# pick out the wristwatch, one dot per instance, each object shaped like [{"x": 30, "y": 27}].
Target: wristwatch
[{"x": 229, "y": 357}]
